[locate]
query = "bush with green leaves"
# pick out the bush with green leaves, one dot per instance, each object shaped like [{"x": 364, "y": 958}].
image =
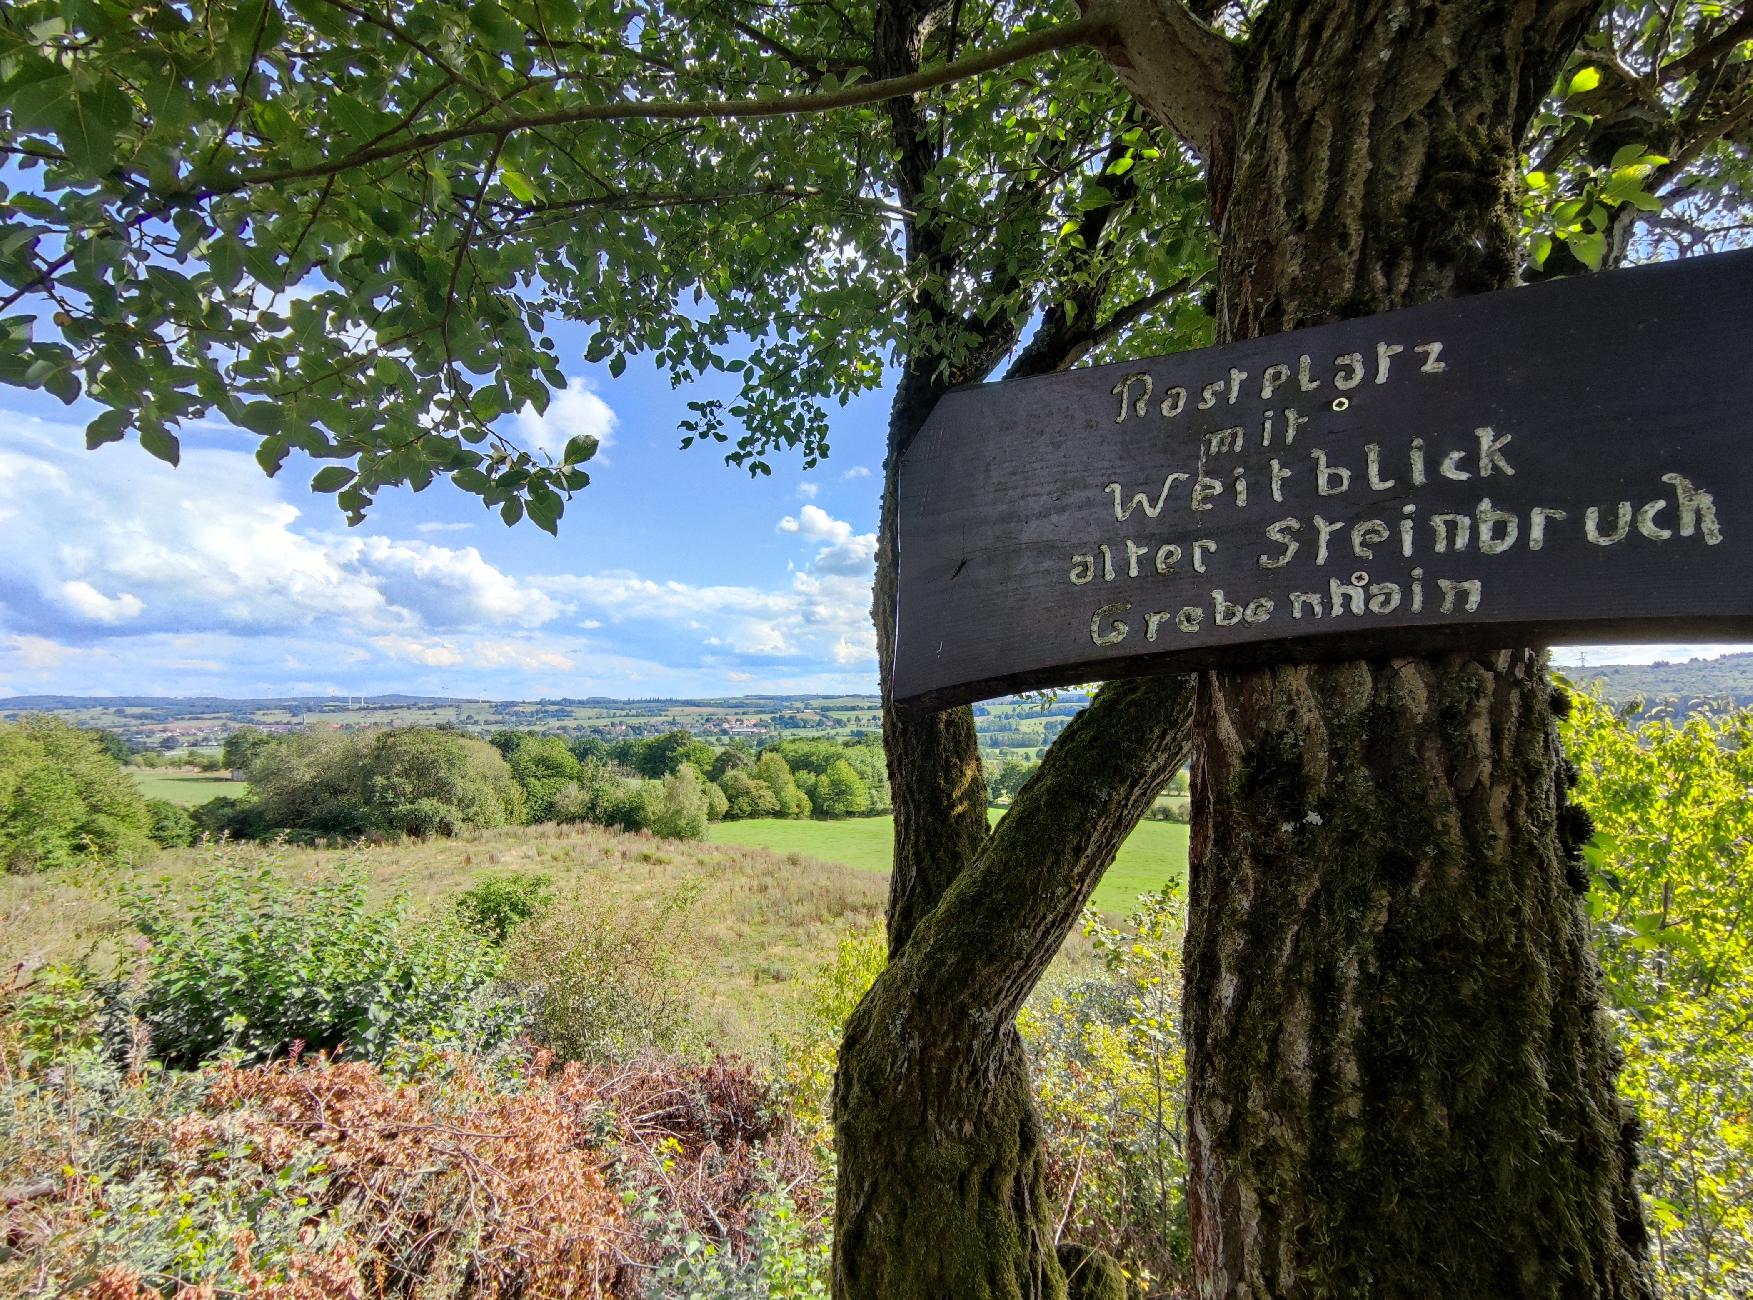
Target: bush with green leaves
[
  {"x": 1110, "y": 1081},
  {"x": 811, "y": 758},
  {"x": 543, "y": 766},
  {"x": 597, "y": 795},
  {"x": 1670, "y": 876},
  {"x": 230, "y": 818},
  {"x": 498, "y": 902},
  {"x": 65, "y": 800},
  {"x": 682, "y": 808},
  {"x": 775, "y": 773},
  {"x": 604, "y": 983},
  {"x": 172, "y": 826},
  {"x": 841, "y": 792},
  {"x": 243, "y": 957},
  {"x": 404, "y": 765},
  {"x": 403, "y": 780},
  {"x": 785, "y": 1258},
  {"x": 745, "y": 797}
]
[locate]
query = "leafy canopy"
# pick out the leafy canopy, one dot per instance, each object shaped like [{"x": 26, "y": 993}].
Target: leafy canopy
[{"x": 349, "y": 229}]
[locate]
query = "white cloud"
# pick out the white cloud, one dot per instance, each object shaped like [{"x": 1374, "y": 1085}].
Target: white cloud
[
  {"x": 214, "y": 547},
  {"x": 88, "y": 602},
  {"x": 808, "y": 491},
  {"x": 574, "y": 410},
  {"x": 209, "y": 577},
  {"x": 434, "y": 654},
  {"x": 857, "y": 471},
  {"x": 38, "y": 652},
  {"x": 446, "y": 587},
  {"x": 817, "y": 524}
]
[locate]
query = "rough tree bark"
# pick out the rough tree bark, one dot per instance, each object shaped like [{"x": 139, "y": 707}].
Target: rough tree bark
[
  {"x": 1401, "y": 1079},
  {"x": 939, "y": 1153},
  {"x": 1401, "y": 1084}
]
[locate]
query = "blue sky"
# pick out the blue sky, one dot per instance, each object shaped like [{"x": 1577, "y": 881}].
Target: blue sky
[{"x": 673, "y": 574}]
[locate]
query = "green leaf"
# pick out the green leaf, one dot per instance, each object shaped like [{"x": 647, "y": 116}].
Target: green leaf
[
  {"x": 578, "y": 449},
  {"x": 1626, "y": 155},
  {"x": 1541, "y": 249},
  {"x": 161, "y": 442},
  {"x": 86, "y": 120},
  {"x": 545, "y": 508},
  {"x": 332, "y": 479},
  {"x": 617, "y": 364},
  {"x": 108, "y": 427},
  {"x": 262, "y": 417},
  {"x": 1589, "y": 249},
  {"x": 518, "y": 184},
  {"x": 1585, "y": 80}
]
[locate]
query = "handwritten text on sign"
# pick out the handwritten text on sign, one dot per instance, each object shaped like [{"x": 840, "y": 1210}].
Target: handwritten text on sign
[{"x": 1567, "y": 461}]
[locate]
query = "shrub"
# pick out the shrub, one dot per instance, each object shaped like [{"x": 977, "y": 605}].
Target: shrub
[
  {"x": 828, "y": 1001},
  {"x": 320, "y": 1180},
  {"x": 172, "y": 826},
  {"x": 423, "y": 817},
  {"x": 242, "y": 746},
  {"x": 64, "y": 799},
  {"x": 406, "y": 765},
  {"x": 241, "y": 957},
  {"x": 681, "y": 809},
  {"x": 543, "y": 766},
  {"x": 716, "y": 803},
  {"x": 744, "y": 796},
  {"x": 229, "y": 818},
  {"x": 771, "y": 769},
  {"x": 298, "y": 777},
  {"x": 734, "y": 757},
  {"x": 602, "y": 983},
  {"x": 500, "y": 901},
  {"x": 1669, "y": 895},
  {"x": 407, "y": 780},
  {"x": 1110, "y": 1082},
  {"x": 841, "y": 792}
]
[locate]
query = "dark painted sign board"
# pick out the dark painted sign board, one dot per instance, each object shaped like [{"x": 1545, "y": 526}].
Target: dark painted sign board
[{"x": 1569, "y": 461}]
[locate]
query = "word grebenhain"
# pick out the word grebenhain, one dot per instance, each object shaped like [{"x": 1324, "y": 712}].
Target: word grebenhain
[{"x": 1358, "y": 598}]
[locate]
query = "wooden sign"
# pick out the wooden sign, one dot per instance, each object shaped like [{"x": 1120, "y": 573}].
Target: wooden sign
[{"x": 1570, "y": 461}]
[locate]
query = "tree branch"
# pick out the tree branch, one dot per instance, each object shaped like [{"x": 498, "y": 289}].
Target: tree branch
[
  {"x": 640, "y": 200},
  {"x": 1080, "y": 31},
  {"x": 1181, "y": 70},
  {"x": 1002, "y": 920}
]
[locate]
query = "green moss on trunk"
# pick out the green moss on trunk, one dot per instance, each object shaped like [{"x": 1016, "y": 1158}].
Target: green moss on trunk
[{"x": 1400, "y": 1077}]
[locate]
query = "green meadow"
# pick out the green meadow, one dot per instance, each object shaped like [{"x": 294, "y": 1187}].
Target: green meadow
[
  {"x": 185, "y": 788},
  {"x": 1155, "y": 855}
]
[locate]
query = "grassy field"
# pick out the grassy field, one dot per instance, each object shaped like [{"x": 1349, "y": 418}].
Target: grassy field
[
  {"x": 1155, "y": 854},
  {"x": 761, "y": 927},
  {"x": 185, "y": 788}
]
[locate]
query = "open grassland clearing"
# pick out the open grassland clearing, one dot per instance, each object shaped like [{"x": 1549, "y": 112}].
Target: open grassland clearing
[
  {"x": 1153, "y": 856},
  {"x": 762, "y": 922},
  {"x": 189, "y": 789}
]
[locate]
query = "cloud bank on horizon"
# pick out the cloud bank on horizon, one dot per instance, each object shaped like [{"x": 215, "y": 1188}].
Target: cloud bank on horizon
[{"x": 124, "y": 576}]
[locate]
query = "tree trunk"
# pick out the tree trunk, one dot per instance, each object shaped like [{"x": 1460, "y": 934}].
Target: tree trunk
[
  {"x": 1401, "y": 1080},
  {"x": 939, "y": 1187}
]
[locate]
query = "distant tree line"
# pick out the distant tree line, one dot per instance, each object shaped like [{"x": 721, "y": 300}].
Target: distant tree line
[
  {"x": 66, "y": 799},
  {"x": 438, "y": 781}
]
